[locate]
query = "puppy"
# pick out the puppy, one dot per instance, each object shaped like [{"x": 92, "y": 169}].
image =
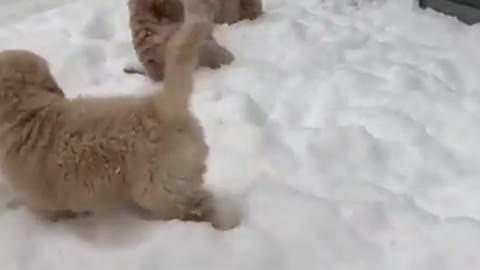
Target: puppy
[
  {"x": 232, "y": 11},
  {"x": 153, "y": 22},
  {"x": 66, "y": 157}
]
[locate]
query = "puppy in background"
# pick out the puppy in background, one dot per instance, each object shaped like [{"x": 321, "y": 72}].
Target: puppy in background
[
  {"x": 66, "y": 157},
  {"x": 153, "y": 22}
]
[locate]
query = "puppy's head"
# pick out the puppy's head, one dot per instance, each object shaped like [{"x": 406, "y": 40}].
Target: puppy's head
[
  {"x": 22, "y": 70},
  {"x": 161, "y": 8}
]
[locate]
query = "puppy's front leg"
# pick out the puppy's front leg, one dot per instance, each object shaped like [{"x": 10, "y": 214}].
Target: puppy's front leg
[{"x": 150, "y": 45}]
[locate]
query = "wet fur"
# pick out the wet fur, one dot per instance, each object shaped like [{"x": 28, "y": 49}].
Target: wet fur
[
  {"x": 153, "y": 22},
  {"x": 69, "y": 157}
]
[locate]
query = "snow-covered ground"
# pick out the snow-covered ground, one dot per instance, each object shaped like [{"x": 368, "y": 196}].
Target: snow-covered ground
[{"x": 347, "y": 129}]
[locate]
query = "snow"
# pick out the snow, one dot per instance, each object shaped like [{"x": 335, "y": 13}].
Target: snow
[{"x": 347, "y": 131}]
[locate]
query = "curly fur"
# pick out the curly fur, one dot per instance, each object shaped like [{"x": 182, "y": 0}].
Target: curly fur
[
  {"x": 153, "y": 22},
  {"x": 65, "y": 157}
]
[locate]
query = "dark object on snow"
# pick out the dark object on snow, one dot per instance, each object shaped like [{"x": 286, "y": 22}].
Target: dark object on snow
[{"x": 467, "y": 11}]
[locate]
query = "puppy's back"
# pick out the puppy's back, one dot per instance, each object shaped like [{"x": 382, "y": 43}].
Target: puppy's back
[{"x": 79, "y": 154}]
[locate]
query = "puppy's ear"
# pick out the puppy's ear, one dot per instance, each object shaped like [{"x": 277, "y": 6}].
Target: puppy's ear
[
  {"x": 51, "y": 85},
  {"x": 53, "y": 88},
  {"x": 3, "y": 66},
  {"x": 47, "y": 80}
]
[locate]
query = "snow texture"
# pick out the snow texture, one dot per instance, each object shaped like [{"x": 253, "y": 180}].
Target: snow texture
[{"x": 347, "y": 130}]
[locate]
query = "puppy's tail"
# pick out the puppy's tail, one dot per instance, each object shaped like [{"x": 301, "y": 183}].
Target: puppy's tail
[{"x": 182, "y": 56}]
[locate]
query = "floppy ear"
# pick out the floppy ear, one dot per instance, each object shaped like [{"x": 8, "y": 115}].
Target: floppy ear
[
  {"x": 3, "y": 64},
  {"x": 49, "y": 82},
  {"x": 45, "y": 78},
  {"x": 52, "y": 86}
]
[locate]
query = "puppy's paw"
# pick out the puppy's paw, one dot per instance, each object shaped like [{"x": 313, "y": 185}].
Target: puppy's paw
[
  {"x": 224, "y": 56},
  {"x": 214, "y": 55},
  {"x": 227, "y": 214}
]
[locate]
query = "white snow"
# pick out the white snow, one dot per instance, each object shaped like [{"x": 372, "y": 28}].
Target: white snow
[{"x": 347, "y": 129}]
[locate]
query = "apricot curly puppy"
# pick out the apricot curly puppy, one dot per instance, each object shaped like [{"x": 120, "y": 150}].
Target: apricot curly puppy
[
  {"x": 153, "y": 22},
  {"x": 65, "y": 157}
]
